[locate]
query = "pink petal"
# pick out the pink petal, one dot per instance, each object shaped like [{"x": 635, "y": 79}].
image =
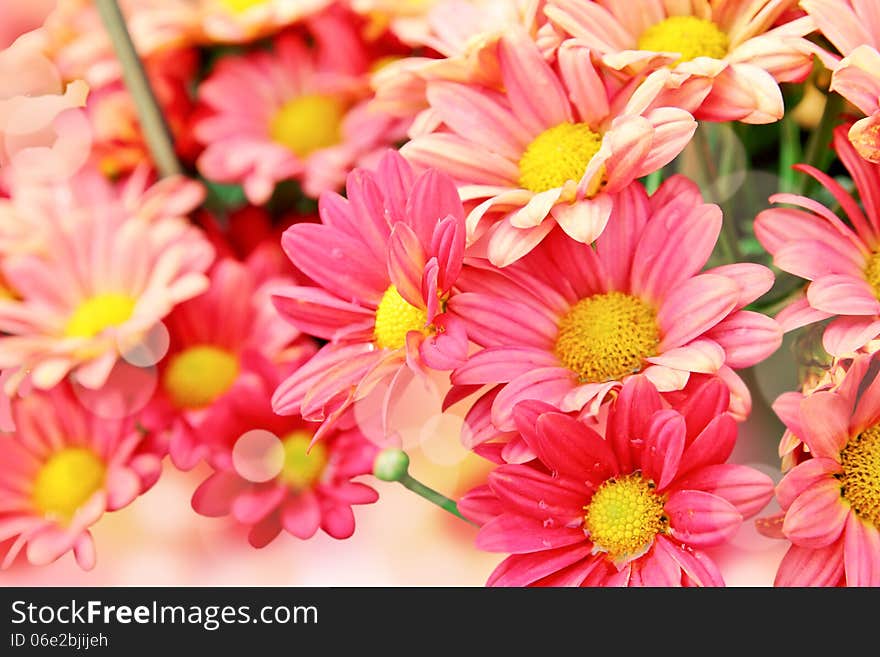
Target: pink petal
[
  {"x": 701, "y": 519},
  {"x": 301, "y": 515},
  {"x": 694, "y": 307},
  {"x": 214, "y": 496},
  {"x": 549, "y": 384},
  {"x": 747, "y": 489},
  {"x": 501, "y": 364},
  {"x": 713, "y": 445},
  {"x": 695, "y": 564},
  {"x": 663, "y": 448},
  {"x": 584, "y": 220},
  {"x": 845, "y": 335},
  {"x": 802, "y": 566},
  {"x": 861, "y": 552},
  {"x": 406, "y": 264},
  {"x": 747, "y": 338},
  {"x": 804, "y": 476},
  {"x": 338, "y": 521},
  {"x": 701, "y": 355},
  {"x": 800, "y": 313},
  {"x": 840, "y": 294},
  {"x": 568, "y": 446},
  {"x": 817, "y": 516},
  {"x": 516, "y": 534},
  {"x": 251, "y": 506},
  {"x": 825, "y": 422},
  {"x": 525, "y": 491},
  {"x": 743, "y": 92},
  {"x": 525, "y": 569}
]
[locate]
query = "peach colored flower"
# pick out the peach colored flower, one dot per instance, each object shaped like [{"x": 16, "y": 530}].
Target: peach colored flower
[
  {"x": 726, "y": 57},
  {"x": 43, "y": 133},
  {"x": 554, "y": 147}
]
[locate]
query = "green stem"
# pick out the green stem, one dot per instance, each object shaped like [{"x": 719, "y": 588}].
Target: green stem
[
  {"x": 818, "y": 152},
  {"x": 709, "y": 177},
  {"x": 433, "y": 496},
  {"x": 153, "y": 124}
]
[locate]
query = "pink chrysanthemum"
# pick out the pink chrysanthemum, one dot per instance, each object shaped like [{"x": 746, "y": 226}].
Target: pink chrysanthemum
[
  {"x": 554, "y": 147},
  {"x": 854, "y": 29},
  {"x": 385, "y": 261},
  {"x": 294, "y": 113},
  {"x": 569, "y": 323},
  {"x": 726, "y": 57},
  {"x": 841, "y": 261},
  {"x": 222, "y": 344},
  {"x": 632, "y": 503},
  {"x": 116, "y": 262},
  {"x": 61, "y": 471},
  {"x": 307, "y": 487},
  {"x": 831, "y": 502}
]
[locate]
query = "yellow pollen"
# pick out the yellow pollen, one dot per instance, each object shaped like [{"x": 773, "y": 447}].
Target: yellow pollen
[
  {"x": 872, "y": 273},
  {"x": 559, "y": 155},
  {"x": 241, "y": 6},
  {"x": 302, "y": 467},
  {"x": 624, "y": 516},
  {"x": 690, "y": 36},
  {"x": 95, "y": 315},
  {"x": 197, "y": 376},
  {"x": 67, "y": 481},
  {"x": 395, "y": 317},
  {"x": 860, "y": 480},
  {"x": 607, "y": 336},
  {"x": 308, "y": 124}
]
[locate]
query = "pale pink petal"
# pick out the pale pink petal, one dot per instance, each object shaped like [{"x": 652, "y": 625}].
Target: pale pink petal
[
  {"x": 825, "y": 422},
  {"x": 802, "y": 566},
  {"x": 845, "y": 335},
  {"x": 701, "y": 519},
  {"x": 861, "y": 552},
  {"x": 817, "y": 516},
  {"x": 804, "y": 476},
  {"x": 694, "y": 307},
  {"x": 840, "y": 294}
]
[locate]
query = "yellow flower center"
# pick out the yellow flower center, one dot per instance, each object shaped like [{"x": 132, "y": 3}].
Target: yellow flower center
[
  {"x": 624, "y": 516},
  {"x": 66, "y": 482},
  {"x": 308, "y": 124},
  {"x": 197, "y": 376},
  {"x": 691, "y": 36},
  {"x": 558, "y": 155},
  {"x": 395, "y": 317},
  {"x": 607, "y": 336},
  {"x": 302, "y": 468},
  {"x": 240, "y": 6},
  {"x": 95, "y": 315},
  {"x": 872, "y": 273},
  {"x": 860, "y": 480}
]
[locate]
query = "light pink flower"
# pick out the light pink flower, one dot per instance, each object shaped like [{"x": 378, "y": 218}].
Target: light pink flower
[
  {"x": 569, "y": 323},
  {"x": 554, "y": 147},
  {"x": 223, "y": 344},
  {"x": 630, "y": 501},
  {"x": 61, "y": 471},
  {"x": 385, "y": 260},
  {"x": 721, "y": 60},
  {"x": 115, "y": 263},
  {"x": 831, "y": 501},
  {"x": 43, "y": 133},
  {"x": 312, "y": 488},
  {"x": 295, "y": 113},
  {"x": 841, "y": 261}
]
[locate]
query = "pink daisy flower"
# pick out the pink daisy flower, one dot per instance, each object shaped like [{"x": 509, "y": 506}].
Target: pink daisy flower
[
  {"x": 222, "y": 344},
  {"x": 831, "y": 502},
  {"x": 304, "y": 488},
  {"x": 727, "y": 58},
  {"x": 569, "y": 323},
  {"x": 631, "y": 502},
  {"x": 530, "y": 164},
  {"x": 385, "y": 261},
  {"x": 294, "y": 113},
  {"x": 62, "y": 470},
  {"x": 854, "y": 29},
  {"x": 117, "y": 262},
  {"x": 841, "y": 261}
]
